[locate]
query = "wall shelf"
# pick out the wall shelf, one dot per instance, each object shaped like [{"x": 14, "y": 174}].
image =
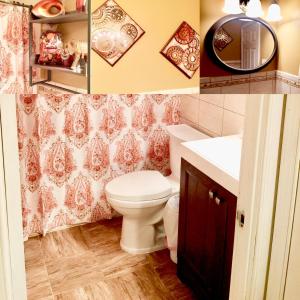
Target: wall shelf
[
  {"x": 58, "y": 68},
  {"x": 67, "y": 18}
]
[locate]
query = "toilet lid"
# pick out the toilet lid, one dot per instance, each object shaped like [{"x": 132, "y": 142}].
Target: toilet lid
[{"x": 139, "y": 186}]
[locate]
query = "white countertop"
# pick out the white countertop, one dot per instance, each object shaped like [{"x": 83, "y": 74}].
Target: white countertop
[{"x": 219, "y": 158}]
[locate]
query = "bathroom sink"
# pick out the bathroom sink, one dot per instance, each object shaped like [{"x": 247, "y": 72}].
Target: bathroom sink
[{"x": 219, "y": 158}]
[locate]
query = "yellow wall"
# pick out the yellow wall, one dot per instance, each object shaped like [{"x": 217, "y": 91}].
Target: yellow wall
[
  {"x": 143, "y": 68},
  {"x": 289, "y": 37}
]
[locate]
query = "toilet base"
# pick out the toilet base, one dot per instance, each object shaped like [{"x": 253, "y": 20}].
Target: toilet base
[
  {"x": 139, "y": 236},
  {"x": 143, "y": 250}
]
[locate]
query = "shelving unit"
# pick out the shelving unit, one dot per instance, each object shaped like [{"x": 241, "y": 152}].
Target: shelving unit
[
  {"x": 70, "y": 17},
  {"x": 58, "y": 68}
]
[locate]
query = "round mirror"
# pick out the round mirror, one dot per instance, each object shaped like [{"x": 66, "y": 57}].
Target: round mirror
[{"x": 241, "y": 43}]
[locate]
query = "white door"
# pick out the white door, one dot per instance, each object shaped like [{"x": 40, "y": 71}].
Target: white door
[
  {"x": 292, "y": 286},
  {"x": 284, "y": 270},
  {"x": 259, "y": 164},
  {"x": 250, "y": 45}
]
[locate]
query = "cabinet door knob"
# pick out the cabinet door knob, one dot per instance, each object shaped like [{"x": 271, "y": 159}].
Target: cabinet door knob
[
  {"x": 218, "y": 200},
  {"x": 211, "y": 194}
]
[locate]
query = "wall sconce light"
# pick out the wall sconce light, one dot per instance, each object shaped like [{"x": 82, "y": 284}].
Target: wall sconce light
[
  {"x": 274, "y": 12},
  {"x": 232, "y": 7},
  {"x": 253, "y": 9}
]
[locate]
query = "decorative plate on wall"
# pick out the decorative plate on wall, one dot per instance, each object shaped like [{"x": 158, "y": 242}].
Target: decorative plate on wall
[
  {"x": 183, "y": 49},
  {"x": 114, "y": 32},
  {"x": 222, "y": 39}
]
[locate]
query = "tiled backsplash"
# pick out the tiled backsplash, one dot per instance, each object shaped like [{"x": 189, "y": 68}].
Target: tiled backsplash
[
  {"x": 216, "y": 115},
  {"x": 257, "y": 83},
  {"x": 287, "y": 83}
]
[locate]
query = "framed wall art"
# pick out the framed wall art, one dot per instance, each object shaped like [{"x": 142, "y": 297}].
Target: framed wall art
[
  {"x": 222, "y": 39},
  {"x": 114, "y": 32},
  {"x": 183, "y": 49}
]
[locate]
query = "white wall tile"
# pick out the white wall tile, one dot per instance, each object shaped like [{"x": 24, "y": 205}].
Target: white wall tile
[
  {"x": 216, "y": 99},
  {"x": 232, "y": 123},
  {"x": 188, "y": 122},
  {"x": 243, "y": 88},
  {"x": 216, "y": 90},
  {"x": 261, "y": 87},
  {"x": 190, "y": 108},
  {"x": 235, "y": 103},
  {"x": 295, "y": 90},
  {"x": 225, "y": 118},
  {"x": 282, "y": 87},
  {"x": 210, "y": 117}
]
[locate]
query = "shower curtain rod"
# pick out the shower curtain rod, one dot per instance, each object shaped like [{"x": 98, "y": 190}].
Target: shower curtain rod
[{"x": 16, "y": 3}]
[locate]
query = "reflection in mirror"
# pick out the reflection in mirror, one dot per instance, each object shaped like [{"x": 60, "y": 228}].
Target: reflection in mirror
[{"x": 244, "y": 44}]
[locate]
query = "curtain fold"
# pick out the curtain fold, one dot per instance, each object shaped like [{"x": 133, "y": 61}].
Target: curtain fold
[
  {"x": 70, "y": 146},
  {"x": 14, "y": 49}
]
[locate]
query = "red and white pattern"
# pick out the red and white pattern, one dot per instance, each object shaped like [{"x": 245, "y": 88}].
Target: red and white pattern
[
  {"x": 21, "y": 133},
  {"x": 28, "y": 102},
  {"x": 32, "y": 166},
  {"x": 59, "y": 163},
  {"x": 79, "y": 197},
  {"x": 172, "y": 111},
  {"x": 158, "y": 150},
  {"x": 43, "y": 126},
  {"x": 58, "y": 102},
  {"x": 129, "y": 153},
  {"x": 129, "y": 99},
  {"x": 71, "y": 146},
  {"x": 113, "y": 120},
  {"x": 77, "y": 125},
  {"x": 97, "y": 100},
  {"x": 14, "y": 50},
  {"x": 144, "y": 119},
  {"x": 97, "y": 157}
]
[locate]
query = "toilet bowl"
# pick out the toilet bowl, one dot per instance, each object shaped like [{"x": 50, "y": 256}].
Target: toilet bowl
[{"x": 142, "y": 195}]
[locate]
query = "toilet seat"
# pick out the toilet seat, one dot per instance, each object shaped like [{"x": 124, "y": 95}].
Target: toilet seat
[
  {"x": 139, "y": 187},
  {"x": 138, "y": 204}
]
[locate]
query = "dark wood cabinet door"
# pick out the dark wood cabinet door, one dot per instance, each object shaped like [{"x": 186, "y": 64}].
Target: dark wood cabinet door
[{"x": 206, "y": 233}]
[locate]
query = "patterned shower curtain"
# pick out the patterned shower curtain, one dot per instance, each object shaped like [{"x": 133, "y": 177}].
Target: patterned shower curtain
[
  {"x": 70, "y": 146},
  {"x": 14, "y": 49}
]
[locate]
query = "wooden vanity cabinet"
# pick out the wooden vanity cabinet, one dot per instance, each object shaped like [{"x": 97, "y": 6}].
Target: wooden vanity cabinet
[{"x": 206, "y": 233}]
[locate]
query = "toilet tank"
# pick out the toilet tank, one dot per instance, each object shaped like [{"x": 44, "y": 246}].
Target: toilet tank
[{"x": 180, "y": 134}]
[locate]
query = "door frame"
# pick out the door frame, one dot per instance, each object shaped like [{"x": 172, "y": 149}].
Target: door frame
[
  {"x": 261, "y": 137},
  {"x": 12, "y": 260},
  {"x": 286, "y": 201},
  {"x": 258, "y": 175}
]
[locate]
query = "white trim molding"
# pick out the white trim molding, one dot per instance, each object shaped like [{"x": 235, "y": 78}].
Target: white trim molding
[
  {"x": 12, "y": 261},
  {"x": 286, "y": 201},
  {"x": 256, "y": 198},
  {"x": 187, "y": 91}
]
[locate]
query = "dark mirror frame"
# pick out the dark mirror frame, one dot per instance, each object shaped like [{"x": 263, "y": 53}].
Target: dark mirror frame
[{"x": 209, "y": 42}]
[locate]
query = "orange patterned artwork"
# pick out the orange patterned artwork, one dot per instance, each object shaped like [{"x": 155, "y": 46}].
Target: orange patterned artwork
[
  {"x": 183, "y": 49},
  {"x": 114, "y": 32}
]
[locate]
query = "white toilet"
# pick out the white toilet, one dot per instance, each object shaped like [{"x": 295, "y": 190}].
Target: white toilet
[{"x": 141, "y": 197}]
